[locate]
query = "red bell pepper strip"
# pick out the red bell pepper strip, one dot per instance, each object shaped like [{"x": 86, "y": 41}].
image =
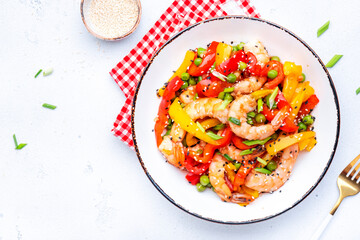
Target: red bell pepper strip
[
  {"x": 232, "y": 64},
  {"x": 308, "y": 106},
  {"x": 207, "y": 62},
  {"x": 281, "y": 101},
  {"x": 287, "y": 126},
  {"x": 238, "y": 142},
  {"x": 242, "y": 173},
  {"x": 273, "y": 65},
  {"x": 209, "y": 149},
  {"x": 193, "y": 178},
  {"x": 195, "y": 167},
  {"x": 252, "y": 67},
  {"x": 163, "y": 113},
  {"x": 211, "y": 86}
]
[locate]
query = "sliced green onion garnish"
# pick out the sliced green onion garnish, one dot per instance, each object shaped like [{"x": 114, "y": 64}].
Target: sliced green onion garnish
[
  {"x": 333, "y": 61},
  {"x": 213, "y": 135},
  {"x": 199, "y": 151},
  {"x": 248, "y": 151},
  {"x": 357, "y": 91},
  {"x": 200, "y": 126},
  {"x": 196, "y": 96},
  {"x": 255, "y": 142},
  {"x": 219, "y": 127},
  {"x": 219, "y": 75},
  {"x": 263, "y": 170},
  {"x": 228, "y": 157},
  {"x": 323, "y": 28},
  {"x": 48, "y": 71},
  {"x": 37, "y": 74},
  {"x": 262, "y": 161},
  {"x": 272, "y": 97},
  {"x": 49, "y": 106},
  {"x": 167, "y": 132},
  {"x": 229, "y": 90},
  {"x": 224, "y": 104},
  {"x": 15, "y": 141},
  {"x": 21, "y": 146},
  {"x": 235, "y": 121},
  {"x": 260, "y": 105},
  {"x": 251, "y": 114}
]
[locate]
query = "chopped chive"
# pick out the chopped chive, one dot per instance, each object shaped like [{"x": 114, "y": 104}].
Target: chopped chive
[
  {"x": 213, "y": 135},
  {"x": 255, "y": 142},
  {"x": 333, "y": 61},
  {"x": 219, "y": 127},
  {"x": 228, "y": 157},
  {"x": 229, "y": 90},
  {"x": 218, "y": 153},
  {"x": 260, "y": 105},
  {"x": 49, "y": 106},
  {"x": 248, "y": 151},
  {"x": 323, "y": 28},
  {"x": 15, "y": 141},
  {"x": 167, "y": 132},
  {"x": 251, "y": 114},
  {"x": 263, "y": 170},
  {"x": 21, "y": 146},
  {"x": 199, "y": 151},
  {"x": 196, "y": 96},
  {"x": 357, "y": 91},
  {"x": 235, "y": 121},
  {"x": 37, "y": 74},
  {"x": 272, "y": 97},
  {"x": 48, "y": 71},
  {"x": 262, "y": 161},
  {"x": 200, "y": 126},
  {"x": 224, "y": 104}
]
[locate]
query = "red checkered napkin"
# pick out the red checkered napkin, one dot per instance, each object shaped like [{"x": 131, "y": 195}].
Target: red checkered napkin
[{"x": 178, "y": 16}]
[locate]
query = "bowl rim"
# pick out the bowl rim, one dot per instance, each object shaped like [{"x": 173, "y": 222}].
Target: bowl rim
[{"x": 273, "y": 25}]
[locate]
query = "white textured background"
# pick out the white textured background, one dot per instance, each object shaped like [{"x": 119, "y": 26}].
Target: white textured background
[{"x": 75, "y": 180}]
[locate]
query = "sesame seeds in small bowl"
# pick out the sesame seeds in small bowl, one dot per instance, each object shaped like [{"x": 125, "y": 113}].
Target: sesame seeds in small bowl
[{"x": 110, "y": 19}]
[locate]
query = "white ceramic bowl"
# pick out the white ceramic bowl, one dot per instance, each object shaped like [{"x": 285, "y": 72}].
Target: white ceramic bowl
[{"x": 310, "y": 166}]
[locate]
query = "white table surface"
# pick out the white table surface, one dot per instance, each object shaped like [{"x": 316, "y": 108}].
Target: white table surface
[{"x": 75, "y": 180}]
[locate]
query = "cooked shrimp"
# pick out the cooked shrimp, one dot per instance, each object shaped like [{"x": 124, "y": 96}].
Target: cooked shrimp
[
  {"x": 249, "y": 85},
  {"x": 173, "y": 151},
  {"x": 188, "y": 95},
  {"x": 269, "y": 183},
  {"x": 217, "y": 175},
  {"x": 234, "y": 153},
  {"x": 177, "y": 133},
  {"x": 258, "y": 49},
  {"x": 198, "y": 147},
  {"x": 239, "y": 108},
  {"x": 207, "y": 107}
]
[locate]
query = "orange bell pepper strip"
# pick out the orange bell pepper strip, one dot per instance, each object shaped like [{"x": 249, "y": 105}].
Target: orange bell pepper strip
[
  {"x": 207, "y": 61},
  {"x": 223, "y": 52},
  {"x": 163, "y": 113},
  {"x": 242, "y": 173},
  {"x": 206, "y": 124}
]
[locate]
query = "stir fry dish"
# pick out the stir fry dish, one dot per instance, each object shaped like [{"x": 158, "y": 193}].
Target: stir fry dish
[{"x": 235, "y": 119}]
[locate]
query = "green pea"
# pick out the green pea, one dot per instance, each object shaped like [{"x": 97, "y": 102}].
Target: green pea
[
  {"x": 204, "y": 180},
  {"x": 201, "y": 51},
  {"x": 221, "y": 95},
  {"x": 302, "y": 126},
  {"x": 235, "y": 49},
  {"x": 308, "y": 120},
  {"x": 303, "y": 77},
  {"x": 240, "y": 46},
  {"x": 276, "y": 58},
  {"x": 242, "y": 66},
  {"x": 197, "y": 61},
  {"x": 231, "y": 78},
  {"x": 192, "y": 81},
  {"x": 228, "y": 97},
  {"x": 185, "y": 76},
  {"x": 237, "y": 165},
  {"x": 200, "y": 187},
  {"x": 272, "y": 74},
  {"x": 185, "y": 85},
  {"x": 260, "y": 118},
  {"x": 272, "y": 165},
  {"x": 250, "y": 121}
]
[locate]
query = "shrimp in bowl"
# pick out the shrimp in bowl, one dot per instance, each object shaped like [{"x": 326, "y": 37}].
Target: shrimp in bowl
[{"x": 235, "y": 119}]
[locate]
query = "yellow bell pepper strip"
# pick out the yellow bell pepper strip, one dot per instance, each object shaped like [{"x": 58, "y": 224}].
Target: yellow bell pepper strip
[
  {"x": 230, "y": 170},
  {"x": 206, "y": 124},
  {"x": 292, "y": 68},
  {"x": 250, "y": 191},
  {"x": 261, "y": 93},
  {"x": 188, "y": 59},
  {"x": 278, "y": 145},
  {"x": 303, "y": 144},
  {"x": 308, "y": 90},
  {"x": 178, "y": 114},
  {"x": 311, "y": 144},
  {"x": 296, "y": 104},
  {"x": 290, "y": 84},
  {"x": 223, "y": 52}
]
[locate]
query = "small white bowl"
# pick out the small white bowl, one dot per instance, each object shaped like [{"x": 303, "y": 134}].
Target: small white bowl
[
  {"x": 310, "y": 166},
  {"x": 84, "y": 5}
]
